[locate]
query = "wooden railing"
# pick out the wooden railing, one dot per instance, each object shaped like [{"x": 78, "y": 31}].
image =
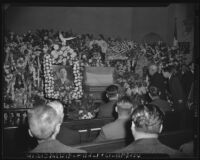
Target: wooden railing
[{"x": 14, "y": 117}]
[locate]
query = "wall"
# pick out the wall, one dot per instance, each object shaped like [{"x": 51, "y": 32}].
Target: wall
[
  {"x": 109, "y": 21},
  {"x": 125, "y": 22}
]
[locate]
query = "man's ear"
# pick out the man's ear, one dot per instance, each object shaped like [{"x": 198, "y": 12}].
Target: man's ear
[
  {"x": 116, "y": 109},
  {"x": 132, "y": 109},
  {"x": 29, "y": 132},
  {"x": 132, "y": 126},
  {"x": 57, "y": 129},
  {"x": 161, "y": 128}
]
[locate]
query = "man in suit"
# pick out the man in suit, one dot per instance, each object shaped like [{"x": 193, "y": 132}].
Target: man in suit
[
  {"x": 177, "y": 93},
  {"x": 187, "y": 78},
  {"x": 107, "y": 110},
  {"x": 66, "y": 136},
  {"x": 157, "y": 80},
  {"x": 44, "y": 124},
  {"x": 146, "y": 127},
  {"x": 118, "y": 129},
  {"x": 154, "y": 94}
]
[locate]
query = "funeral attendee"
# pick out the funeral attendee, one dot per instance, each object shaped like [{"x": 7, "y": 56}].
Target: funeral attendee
[
  {"x": 66, "y": 136},
  {"x": 44, "y": 124},
  {"x": 156, "y": 79},
  {"x": 107, "y": 110},
  {"x": 118, "y": 129},
  {"x": 154, "y": 94},
  {"x": 187, "y": 78},
  {"x": 147, "y": 124},
  {"x": 187, "y": 148},
  {"x": 177, "y": 93}
]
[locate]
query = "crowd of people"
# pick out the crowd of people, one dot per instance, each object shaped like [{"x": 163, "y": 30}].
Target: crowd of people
[{"x": 143, "y": 121}]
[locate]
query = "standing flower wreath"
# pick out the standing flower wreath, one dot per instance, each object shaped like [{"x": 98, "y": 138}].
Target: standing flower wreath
[{"x": 63, "y": 55}]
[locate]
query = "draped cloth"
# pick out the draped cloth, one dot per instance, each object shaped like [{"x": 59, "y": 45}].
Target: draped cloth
[{"x": 99, "y": 76}]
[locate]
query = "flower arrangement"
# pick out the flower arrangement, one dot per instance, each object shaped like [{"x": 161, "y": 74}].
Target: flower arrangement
[
  {"x": 84, "y": 108},
  {"x": 25, "y": 77},
  {"x": 63, "y": 55}
]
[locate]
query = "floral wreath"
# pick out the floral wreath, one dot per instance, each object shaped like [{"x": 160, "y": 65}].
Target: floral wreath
[{"x": 61, "y": 56}]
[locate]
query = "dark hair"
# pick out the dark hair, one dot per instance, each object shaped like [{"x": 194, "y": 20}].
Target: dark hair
[
  {"x": 147, "y": 118},
  {"x": 124, "y": 99},
  {"x": 154, "y": 91},
  {"x": 169, "y": 69},
  {"x": 112, "y": 91},
  {"x": 125, "y": 105}
]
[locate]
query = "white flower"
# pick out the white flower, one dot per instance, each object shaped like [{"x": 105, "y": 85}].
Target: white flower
[
  {"x": 128, "y": 91},
  {"x": 54, "y": 54},
  {"x": 73, "y": 54},
  {"x": 63, "y": 48},
  {"x": 60, "y": 52},
  {"x": 56, "y": 47},
  {"x": 65, "y": 53},
  {"x": 80, "y": 111}
]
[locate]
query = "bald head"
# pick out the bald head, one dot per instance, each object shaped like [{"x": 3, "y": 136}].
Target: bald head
[
  {"x": 43, "y": 121},
  {"x": 153, "y": 69},
  {"x": 58, "y": 107}
]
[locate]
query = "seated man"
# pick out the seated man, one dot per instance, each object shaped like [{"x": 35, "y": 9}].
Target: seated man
[
  {"x": 154, "y": 94},
  {"x": 146, "y": 126},
  {"x": 44, "y": 124},
  {"x": 187, "y": 148},
  {"x": 66, "y": 136},
  {"x": 117, "y": 129},
  {"x": 107, "y": 110}
]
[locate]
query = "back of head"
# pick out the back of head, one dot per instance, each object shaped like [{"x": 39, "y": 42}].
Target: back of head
[
  {"x": 58, "y": 107},
  {"x": 125, "y": 106},
  {"x": 154, "y": 91},
  {"x": 147, "y": 119},
  {"x": 42, "y": 121},
  {"x": 112, "y": 91},
  {"x": 168, "y": 68}
]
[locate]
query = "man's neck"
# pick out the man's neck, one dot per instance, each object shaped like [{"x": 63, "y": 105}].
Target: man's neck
[
  {"x": 142, "y": 135},
  {"x": 123, "y": 117},
  {"x": 113, "y": 99}
]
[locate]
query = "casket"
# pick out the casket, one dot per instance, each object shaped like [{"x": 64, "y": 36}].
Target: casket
[
  {"x": 98, "y": 76},
  {"x": 96, "y": 80}
]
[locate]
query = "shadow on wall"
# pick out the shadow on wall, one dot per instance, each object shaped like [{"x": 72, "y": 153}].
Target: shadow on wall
[{"x": 151, "y": 38}]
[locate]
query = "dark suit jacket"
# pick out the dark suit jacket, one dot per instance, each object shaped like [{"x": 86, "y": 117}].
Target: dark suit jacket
[
  {"x": 68, "y": 136},
  {"x": 176, "y": 89},
  {"x": 54, "y": 146},
  {"x": 106, "y": 110},
  {"x": 158, "y": 81},
  {"x": 187, "y": 79},
  {"x": 149, "y": 145},
  {"x": 163, "y": 105},
  {"x": 114, "y": 130}
]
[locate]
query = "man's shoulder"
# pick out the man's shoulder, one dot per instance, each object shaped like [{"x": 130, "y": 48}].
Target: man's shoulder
[
  {"x": 170, "y": 151},
  {"x": 109, "y": 125},
  {"x": 127, "y": 149}
]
